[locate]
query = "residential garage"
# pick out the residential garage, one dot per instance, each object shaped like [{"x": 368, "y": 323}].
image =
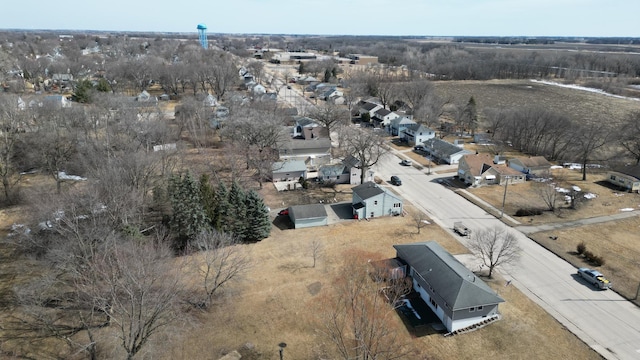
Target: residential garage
[{"x": 303, "y": 216}]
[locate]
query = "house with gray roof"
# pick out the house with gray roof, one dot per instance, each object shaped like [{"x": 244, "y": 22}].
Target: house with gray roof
[
  {"x": 313, "y": 152},
  {"x": 454, "y": 293},
  {"x": 417, "y": 134},
  {"x": 397, "y": 125},
  {"x": 304, "y": 216},
  {"x": 290, "y": 170},
  {"x": 443, "y": 151},
  {"x": 537, "y": 165},
  {"x": 382, "y": 118},
  {"x": 334, "y": 173},
  {"x": 352, "y": 166},
  {"x": 371, "y": 200}
]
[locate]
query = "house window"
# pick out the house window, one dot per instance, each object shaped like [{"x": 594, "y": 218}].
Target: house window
[
  {"x": 472, "y": 309},
  {"x": 371, "y": 214},
  {"x": 375, "y": 202},
  {"x": 433, "y": 302},
  {"x": 480, "y": 308},
  {"x": 613, "y": 177},
  {"x": 397, "y": 205}
]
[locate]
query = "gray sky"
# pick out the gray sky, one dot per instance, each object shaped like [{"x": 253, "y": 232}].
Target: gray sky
[{"x": 347, "y": 17}]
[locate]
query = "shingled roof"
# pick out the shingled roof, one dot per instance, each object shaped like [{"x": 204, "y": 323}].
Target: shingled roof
[{"x": 450, "y": 279}]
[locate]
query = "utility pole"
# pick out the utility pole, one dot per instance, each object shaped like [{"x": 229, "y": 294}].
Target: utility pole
[{"x": 504, "y": 197}]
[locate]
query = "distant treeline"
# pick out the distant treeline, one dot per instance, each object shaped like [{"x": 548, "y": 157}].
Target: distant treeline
[{"x": 546, "y": 40}]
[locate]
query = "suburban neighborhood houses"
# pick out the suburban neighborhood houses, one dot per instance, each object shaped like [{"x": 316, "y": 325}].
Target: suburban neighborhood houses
[{"x": 318, "y": 197}]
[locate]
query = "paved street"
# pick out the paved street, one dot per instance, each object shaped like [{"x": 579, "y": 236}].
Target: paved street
[{"x": 602, "y": 319}]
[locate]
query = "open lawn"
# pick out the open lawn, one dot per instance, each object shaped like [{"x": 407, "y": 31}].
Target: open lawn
[
  {"x": 278, "y": 302},
  {"x": 608, "y": 200},
  {"x": 618, "y": 242}
]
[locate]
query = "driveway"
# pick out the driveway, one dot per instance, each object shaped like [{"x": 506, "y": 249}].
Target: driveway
[{"x": 339, "y": 212}]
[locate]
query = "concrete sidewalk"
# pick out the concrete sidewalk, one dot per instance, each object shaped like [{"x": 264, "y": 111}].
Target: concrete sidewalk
[{"x": 530, "y": 229}]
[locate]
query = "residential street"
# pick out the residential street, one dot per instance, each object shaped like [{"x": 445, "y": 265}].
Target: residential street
[{"x": 602, "y": 319}]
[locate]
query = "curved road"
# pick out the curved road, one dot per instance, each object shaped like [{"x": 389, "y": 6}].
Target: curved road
[{"x": 602, "y": 319}]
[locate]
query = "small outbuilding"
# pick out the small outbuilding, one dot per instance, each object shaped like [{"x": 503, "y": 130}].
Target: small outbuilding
[
  {"x": 626, "y": 177},
  {"x": 304, "y": 216}
]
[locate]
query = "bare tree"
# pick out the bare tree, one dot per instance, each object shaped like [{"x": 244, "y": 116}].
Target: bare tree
[
  {"x": 420, "y": 220},
  {"x": 546, "y": 189},
  {"x": 629, "y": 135},
  {"x": 13, "y": 122},
  {"x": 365, "y": 145},
  {"x": 223, "y": 260},
  {"x": 316, "y": 248},
  {"x": 589, "y": 140},
  {"x": 357, "y": 318},
  {"x": 495, "y": 246},
  {"x": 330, "y": 115}
]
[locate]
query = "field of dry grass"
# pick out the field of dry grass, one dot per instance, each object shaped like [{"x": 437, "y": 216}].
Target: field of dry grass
[
  {"x": 608, "y": 201},
  {"x": 575, "y": 104},
  {"x": 618, "y": 242},
  {"x": 278, "y": 301}
]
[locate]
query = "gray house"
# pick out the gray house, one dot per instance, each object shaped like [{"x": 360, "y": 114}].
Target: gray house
[
  {"x": 371, "y": 200},
  {"x": 454, "y": 293},
  {"x": 444, "y": 152},
  {"x": 334, "y": 173},
  {"x": 397, "y": 125},
  {"x": 290, "y": 170},
  {"x": 314, "y": 152},
  {"x": 304, "y": 216}
]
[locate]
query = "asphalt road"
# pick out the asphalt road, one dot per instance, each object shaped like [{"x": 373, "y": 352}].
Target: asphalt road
[{"x": 602, "y": 319}]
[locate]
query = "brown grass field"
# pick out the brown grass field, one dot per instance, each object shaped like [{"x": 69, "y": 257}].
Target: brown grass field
[
  {"x": 278, "y": 301},
  {"x": 575, "y": 104}
]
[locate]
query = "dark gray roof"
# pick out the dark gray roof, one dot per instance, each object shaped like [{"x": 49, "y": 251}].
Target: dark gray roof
[
  {"x": 367, "y": 190},
  {"x": 350, "y": 161},
  {"x": 332, "y": 170},
  {"x": 369, "y": 106},
  {"x": 416, "y": 127},
  {"x": 312, "y": 211},
  {"x": 441, "y": 147},
  {"x": 450, "y": 279},
  {"x": 383, "y": 112},
  {"x": 633, "y": 170},
  {"x": 317, "y": 143}
]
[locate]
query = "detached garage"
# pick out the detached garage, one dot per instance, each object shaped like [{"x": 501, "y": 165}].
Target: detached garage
[{"x": 303, "y": 216}]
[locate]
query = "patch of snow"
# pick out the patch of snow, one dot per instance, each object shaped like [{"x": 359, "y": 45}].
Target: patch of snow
[
  {"x": 426, "y": 222},
  {"x": 556, "y": 167},
  {"x": 64, "y": 176},
  {"x": 582, "y": 88},
  {"x": 407, "y": 303},
  {"x": 576, "y": 188},
  {"x": 627, "y": 209},
  {"x": 562, "y": 190},
  {"x": 590, "y": 196}
]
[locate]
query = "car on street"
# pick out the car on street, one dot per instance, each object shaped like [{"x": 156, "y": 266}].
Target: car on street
[
  {"x": 395, "y": 181},
  {"x": 284, "y": 212},
  {"x": 405, "y": 162},
  {"x": 594, "y": 277}
]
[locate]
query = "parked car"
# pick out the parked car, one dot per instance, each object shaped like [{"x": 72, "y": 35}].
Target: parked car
[
  {"x": 406, "y": 162},
  {"x": 284, "y": 212},
  {"x": 419, "y": 148},
  {"x": 594, "y": 277},
  {"x": 395, "y": 181}
]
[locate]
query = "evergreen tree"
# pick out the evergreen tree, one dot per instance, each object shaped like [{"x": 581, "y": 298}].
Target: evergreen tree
[
  {"x": 188, "y": 217},
  {"x": 301, "y": 69},
  {"x": 470, "y": 115},
  {"x": 222, "y": 209},
  {"x": 208, "y": 196},
  {"x": 83, "y": 91},
  {"x": 238, "y": 214},
  {"x": 258, "y": 223}
]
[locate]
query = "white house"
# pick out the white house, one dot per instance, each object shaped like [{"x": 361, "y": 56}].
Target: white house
[
  {"x": 626, "y": 177},
  {"x": 352, "y": 167},
  {"x": 289, "y": 171},
  {"x": 382, "y": 117},
  {"x": 397, "y": 125},
  {"x": 417, "y": 134},
  {"x": 455, "y": 294}
]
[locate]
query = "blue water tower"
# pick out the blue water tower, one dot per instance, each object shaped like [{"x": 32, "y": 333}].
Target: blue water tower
[{"x": 202, "y": 34}]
